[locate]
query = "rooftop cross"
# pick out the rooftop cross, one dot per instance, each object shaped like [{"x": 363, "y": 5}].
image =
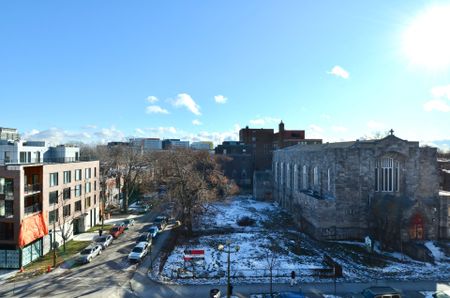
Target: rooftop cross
[{"x": 391, "y": 132}]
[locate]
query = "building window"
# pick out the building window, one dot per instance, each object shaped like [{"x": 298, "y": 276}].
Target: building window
[
  {"x": 53, "y": 216},
  {"x": 66, "y": 210},
  {"x": 78, "y": 190},
  {"x": 67, "y": 177},
  {"x": 53, "y": 179},
  {"x": 95, "y": 185},
  {"x": 53, "y": 197},
  {"x": 276, "y": 171},
  {"x": 95, "y": 171},
  {"x": 6, "y": 208},
  {"x": 305, "y": 177},
  {"x": 328, "y": 180},
  {"x": 6, "y": 231},
  {"x": 66, "y": 193},
  {"x": 78, "y": 206},
  {"x": 87, "y": 187},
  {"x": 87, "y": 173},
  {"x": 288, "y": 175},
  {"x": 77, "y": 175},
  {"x": 95, "y": 199},
  {"x": 87, "y": 202},
  {"x": 281, "y": 173},
  {"x": 387, "y": 175},
  {"x": 295, "y": 177},
  {"x": 316, "y": 176}
]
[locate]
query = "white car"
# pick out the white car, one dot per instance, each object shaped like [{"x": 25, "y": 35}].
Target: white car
[
  {"x": 139, "y": 252},
  {"x": 104, "y": 240},
  {"x": 90, "y": 252}
]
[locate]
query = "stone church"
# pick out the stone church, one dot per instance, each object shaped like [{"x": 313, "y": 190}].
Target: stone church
[{"x": 349, "y": 190}]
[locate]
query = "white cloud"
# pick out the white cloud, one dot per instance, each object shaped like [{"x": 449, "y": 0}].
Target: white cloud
[
  {"x": 436, "y": 104},
  {"x": 220, "y": 99},
  {"x": 264, "y": 121},
  {"x": 185, "y": 100},
  {"x": 441, "y": 91},
  {"x": 156, "y": 110},
  {"x": 315, "y": 128},
  {"x": 372, "y": 124},
  {"x": 196, "y": 122},
  {"x": 152, "y": 99},
  {"x": 337, "y": 128},
  {"x": 339, "y": 72},
  {"x": 90, "y": 126}
]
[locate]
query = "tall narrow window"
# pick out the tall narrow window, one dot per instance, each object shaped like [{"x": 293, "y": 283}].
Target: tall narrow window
[
  {"x": 305, "y": 177},
  {"x": 281, "y": 173},
  {"x": 295, "y": 177},
  {"x": 67, "y": 177},
  {"x": 328, "y": 180},
  {"x": 316, "y": 176},
  {"x": 387, "y": 175},
  {"x": 288, "y": 175},
  {"x": 276, "y": 171},
  {"x": 53, "y": 179}
]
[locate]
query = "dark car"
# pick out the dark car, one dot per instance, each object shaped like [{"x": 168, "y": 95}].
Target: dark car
[
  {"x": 128, "y": 222},
  {"x": 378, "y": 292},
  {"x": 160, "y": 221},
  {"x": 145, "y": 237},
  {"x": 104, "y": 240}
]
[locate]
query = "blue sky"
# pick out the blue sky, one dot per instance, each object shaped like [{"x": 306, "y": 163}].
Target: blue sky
[{"x": 95, "y": 71}]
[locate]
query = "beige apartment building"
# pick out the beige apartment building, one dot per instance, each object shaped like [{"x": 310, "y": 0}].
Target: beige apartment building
[{"x": 40, "y": 200}]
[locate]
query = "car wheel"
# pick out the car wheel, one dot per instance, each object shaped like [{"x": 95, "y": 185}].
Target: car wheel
[
  {"x": 100, "y": 252},
  {"x": 89, "y": 260}
]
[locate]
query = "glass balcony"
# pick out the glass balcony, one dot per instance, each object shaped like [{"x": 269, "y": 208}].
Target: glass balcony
[
  {"x": 32, "y": 188},
  {"x": 33, "y": 209}
]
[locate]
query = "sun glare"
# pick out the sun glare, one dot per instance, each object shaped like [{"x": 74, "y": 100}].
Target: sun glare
[{"x": 426, "y": 41}]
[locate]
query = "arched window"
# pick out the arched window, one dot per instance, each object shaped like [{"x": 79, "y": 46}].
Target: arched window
[
  {"x": 316, "y": 176},
  {"x": 288, "y": 175},
  {"x": 305, "y": 177},
  {"x": 387, "y": 175},
  {"x": 295, "y": 177}
]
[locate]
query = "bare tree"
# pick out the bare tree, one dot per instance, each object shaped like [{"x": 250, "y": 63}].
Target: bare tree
[
  {"x": 270, "y": 256},
  {"x": 192, "y": 178},
  {"x": 65, "y": 222}
]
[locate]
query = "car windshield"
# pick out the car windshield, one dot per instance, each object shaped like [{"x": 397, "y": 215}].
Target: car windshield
[
  {"x": 153, "y": 229},
  {"x": 142, "y": 238},
  {"x": 126, "y": 221},
  {"x": 86, "y": 251},
  {"x": 137, "y": 249},
  {"x": 115, "y": 229},
  {"x": 101, "y": 239}
]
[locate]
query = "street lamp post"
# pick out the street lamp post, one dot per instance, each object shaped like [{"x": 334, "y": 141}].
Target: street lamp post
[{"x": 227, "y": 248}]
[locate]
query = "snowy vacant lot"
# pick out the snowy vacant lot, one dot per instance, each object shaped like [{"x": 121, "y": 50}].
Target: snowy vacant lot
[{"x": 266, "y": 237}]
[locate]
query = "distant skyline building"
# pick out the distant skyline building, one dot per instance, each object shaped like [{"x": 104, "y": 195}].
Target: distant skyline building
[
  {"x": 10, "y": 134},
  {"x": 202, "y": 145}
]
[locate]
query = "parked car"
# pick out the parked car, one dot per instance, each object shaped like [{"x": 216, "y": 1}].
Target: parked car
[
  {"x": 378, "y": 292},
  {"x": 138, "y": 207},
  {"x": 128, "y": 222},
  {"x": 117, "y": 230},
  {"x": 440, "y": 294},
  {"x": 161, "y": 220},
  {"x": 90, "y": 252},
  {"x": 145, "y": 237},
  {"x": 153, "y": 230},
  {"x": 139, "y": 252},
  {"x": 104, "y": 240}
]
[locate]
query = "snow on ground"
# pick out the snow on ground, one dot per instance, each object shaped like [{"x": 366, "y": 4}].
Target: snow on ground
[
  {"x": 438, "y": 255},
  {"x": 293, "y": 250}
]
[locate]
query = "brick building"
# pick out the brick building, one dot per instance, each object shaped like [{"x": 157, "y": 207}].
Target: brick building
[
  {"x": 339, "y": 190},
  {"x": 237, "y": 162},
  {"x": 39, "y": 198},
  {"x": 264, "y": 141}
]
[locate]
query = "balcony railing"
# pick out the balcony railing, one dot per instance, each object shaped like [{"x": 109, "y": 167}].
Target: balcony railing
[
  {"x": 33, "y": 209},
  {"x": 32, "y": 188}
]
